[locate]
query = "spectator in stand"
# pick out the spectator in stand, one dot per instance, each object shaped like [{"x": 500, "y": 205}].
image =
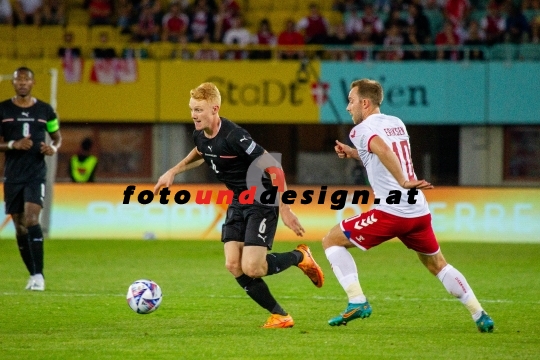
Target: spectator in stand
[
  {"x": 517, "y": 26},
  {"x": 54, "y": 12},
  {"x": 264, "y": 36},
  {"x": 395, "y": 18},
  {"x": 125, "y": 14},
  {"x": 493, "y": 24},
  {"x": 237, "y": 35},
  {"x": 6, "y": 12},
  {"x": 181, "y": 51},
  {"x": 447, "y": 36},
  {"x": 371, "y": 19},
  {"x": 289, "y": 37},
  {"x": 147, "y": 29},
  {"x": 346, "y": 6},
  {"x": 392, "y": 44},
  {"x": 201, "y": 22},
  {"x": 228, "y": 9},
  {"x": 366, "y": 40},
  {"x": 412, "y": 38},
  {"x": 354, "y": 24},
  {"x": 475, "y": 37},
  {"x": 535, "y": 30},
  {"x": 104, "y": 50},
  {"x": 314, "y": 26},
  {"x": 175, "y": 23},
  {"x": 421, "y": 23},
  {"x": 456, "y": 11},
  {"x": 101, "y": 11},
  {"x": 68, "y": 49},
  {"x": 337, "y": 38},
  {"x": 205, "y": 52},
  {"x": 134, "y": 51},
  {"x": 28, "y": 11}
]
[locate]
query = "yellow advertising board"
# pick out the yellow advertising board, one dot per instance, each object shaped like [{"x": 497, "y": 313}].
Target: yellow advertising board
[
  {"x": 90, "y": 101},
  {"x": 256, "y": 92},
  {"x": 98, "y": 211}
]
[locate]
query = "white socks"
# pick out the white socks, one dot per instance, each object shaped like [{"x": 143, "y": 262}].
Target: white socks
[
  {"x": 456, "y": 284},
  {"x": 344, "y": 267}
]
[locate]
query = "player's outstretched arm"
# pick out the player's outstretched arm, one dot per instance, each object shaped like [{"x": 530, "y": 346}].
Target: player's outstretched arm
[
  {"x": 391, "y": 162},
  {"x": 191, "y": 161},
  {"x": 345, "y": 151}
]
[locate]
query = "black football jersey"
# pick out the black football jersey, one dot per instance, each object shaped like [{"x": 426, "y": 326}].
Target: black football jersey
[
  {"x": 229, "y": 154},
  {"x": 17, "y": 123}
]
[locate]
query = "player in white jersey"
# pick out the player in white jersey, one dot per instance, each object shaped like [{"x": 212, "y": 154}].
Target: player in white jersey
[{"x": 382, "y": 144}]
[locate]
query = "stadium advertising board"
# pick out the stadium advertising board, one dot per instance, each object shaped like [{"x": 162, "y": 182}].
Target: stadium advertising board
[
  {"x": 262, "y": 92},
  {"x": 97, "y": 211},
  {"x": 435, "y": 93},
  {"x": 419, "y": 93}
]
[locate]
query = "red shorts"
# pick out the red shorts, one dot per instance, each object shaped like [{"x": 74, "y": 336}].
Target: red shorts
[{"x": 375, "y": 227}]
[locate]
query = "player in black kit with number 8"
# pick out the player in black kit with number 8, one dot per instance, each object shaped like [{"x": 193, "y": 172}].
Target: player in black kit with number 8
[
  {"x": 25, "y": 120},
  {"x": 249, "y": 229}
]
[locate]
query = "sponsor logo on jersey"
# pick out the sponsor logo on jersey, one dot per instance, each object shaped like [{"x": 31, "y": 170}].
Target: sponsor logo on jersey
[{"x": 251, "y": 147}]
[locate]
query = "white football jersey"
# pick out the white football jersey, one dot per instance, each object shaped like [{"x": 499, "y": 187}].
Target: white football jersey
[{"x": 393, "y": 132}]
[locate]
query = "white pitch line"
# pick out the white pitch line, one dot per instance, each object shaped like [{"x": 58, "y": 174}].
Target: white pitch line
[{"x": 322, "y": 298}]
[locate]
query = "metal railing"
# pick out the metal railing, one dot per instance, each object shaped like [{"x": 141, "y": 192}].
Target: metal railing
[{"x": 217, "y": 51}]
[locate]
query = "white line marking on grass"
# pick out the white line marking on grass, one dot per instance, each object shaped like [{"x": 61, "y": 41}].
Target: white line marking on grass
[{"x": 323, "y": 298}]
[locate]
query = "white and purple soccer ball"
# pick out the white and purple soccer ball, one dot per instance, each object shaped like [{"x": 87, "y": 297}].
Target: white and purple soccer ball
[{"x": 144, "y": 296}]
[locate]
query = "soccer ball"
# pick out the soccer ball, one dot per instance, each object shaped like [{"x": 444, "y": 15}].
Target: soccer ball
[{"x": 144, "y": 296}]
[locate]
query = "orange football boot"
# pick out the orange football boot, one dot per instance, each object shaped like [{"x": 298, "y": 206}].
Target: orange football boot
[
  {"x": 276, "y": 321},
  {"x": 310, "y": 267}
]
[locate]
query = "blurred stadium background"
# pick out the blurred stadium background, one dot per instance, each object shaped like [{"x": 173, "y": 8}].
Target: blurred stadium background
[{"x": 471, "y": 104}]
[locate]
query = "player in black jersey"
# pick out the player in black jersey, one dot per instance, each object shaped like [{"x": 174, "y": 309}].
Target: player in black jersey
[
  {"x": 25, "y": 120},
  {"x": 249, "y": 229}
]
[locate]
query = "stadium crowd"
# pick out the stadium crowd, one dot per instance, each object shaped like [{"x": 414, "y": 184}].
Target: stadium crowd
[{"x": 393, "y": 25}]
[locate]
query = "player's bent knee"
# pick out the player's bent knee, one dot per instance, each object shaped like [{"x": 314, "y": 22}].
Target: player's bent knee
[
  {"x": 234, "y": 267},
  {"x": 335, "y": 237},
  {"x": 254, "y": 271}
]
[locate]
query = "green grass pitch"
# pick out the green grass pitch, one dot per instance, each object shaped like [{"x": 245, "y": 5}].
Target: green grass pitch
[{"x": 83, "y": 313}]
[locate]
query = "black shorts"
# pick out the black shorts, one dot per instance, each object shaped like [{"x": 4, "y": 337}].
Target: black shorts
[
  {"x": 253, "y": 224},
  {"x": 16, "y": 194}
]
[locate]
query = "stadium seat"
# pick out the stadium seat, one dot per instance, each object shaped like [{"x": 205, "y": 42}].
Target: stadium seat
[
  {"x": 7, "y": 50},
  {"x": 436, "y": 20},
  {"x": 531, "y": 14},
  {"x": 78, "y": 16},
  {"x": 261, "y": 5},
  {"x": 278, "y": 19},
  {"x": 52, "y": 34},
  {"x": 7, "y": 33},
  {"x": 285, "y": 5},
  {"x": 333, "y": 17},
  {"x": 80, "y": 33},
  {"x": 26, "y": 33},
  {"x": 29, "y": 50},
  {"x": 95, "y": 32},
  {"x": 477, "y": 15}
]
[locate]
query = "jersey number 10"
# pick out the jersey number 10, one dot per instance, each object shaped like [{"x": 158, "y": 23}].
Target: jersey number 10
[{"x": 404, "y": 156}]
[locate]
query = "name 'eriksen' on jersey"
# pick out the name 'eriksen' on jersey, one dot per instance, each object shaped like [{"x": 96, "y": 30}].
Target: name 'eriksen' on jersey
[{"x": 397, "y": 131}]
